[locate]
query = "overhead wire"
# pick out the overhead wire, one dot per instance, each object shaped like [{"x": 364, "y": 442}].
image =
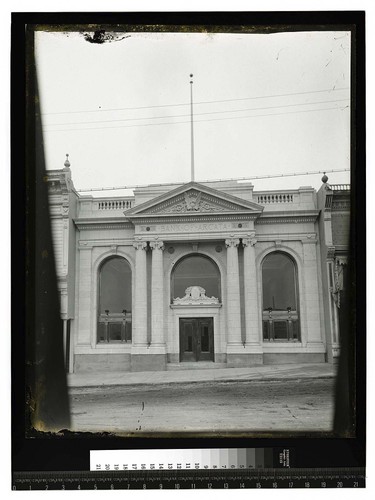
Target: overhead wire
[
  {"x": 197, "y": 121},
  {"x": 197, "y": 114},
  {"x": 196, "y": 103},
  {"x": 256, "y": 177}
]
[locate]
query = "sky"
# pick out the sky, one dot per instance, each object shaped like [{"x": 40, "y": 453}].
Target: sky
[{"x": 121, "y": 109}]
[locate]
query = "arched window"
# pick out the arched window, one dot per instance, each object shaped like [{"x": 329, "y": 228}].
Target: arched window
[
  {"x": 196, "y": 270},
  {"x": 280, "y": 298},
  {"x": 115, "y": 301}
]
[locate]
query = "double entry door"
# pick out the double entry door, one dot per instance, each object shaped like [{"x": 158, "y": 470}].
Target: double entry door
[{"x": 196, "y": 339}]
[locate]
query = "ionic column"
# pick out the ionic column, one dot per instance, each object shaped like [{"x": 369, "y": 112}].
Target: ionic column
[
  {"x": 251, "y": 292},
  {"x": 140, "y": 295},
  {"x": 157, "y": 312},
  {"x": 233, "y": 292}
]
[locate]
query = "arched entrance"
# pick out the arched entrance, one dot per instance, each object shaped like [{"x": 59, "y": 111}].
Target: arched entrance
[{"x": 196, "y": 293}]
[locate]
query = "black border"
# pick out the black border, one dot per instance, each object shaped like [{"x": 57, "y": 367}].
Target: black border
[{"x": 57, "y": 452}]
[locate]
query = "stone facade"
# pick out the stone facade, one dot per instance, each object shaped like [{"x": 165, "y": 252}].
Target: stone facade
[{"x": 236, "y": 230}]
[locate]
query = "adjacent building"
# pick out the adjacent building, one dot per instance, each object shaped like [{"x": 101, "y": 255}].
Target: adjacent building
[{"x": 210, "y": 273}]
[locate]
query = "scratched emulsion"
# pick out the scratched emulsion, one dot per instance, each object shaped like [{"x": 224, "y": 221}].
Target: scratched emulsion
[{"x": 101, "y": 33}]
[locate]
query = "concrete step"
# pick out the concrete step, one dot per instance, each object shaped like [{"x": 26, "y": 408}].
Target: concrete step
[{"x": 195, "y": 365}]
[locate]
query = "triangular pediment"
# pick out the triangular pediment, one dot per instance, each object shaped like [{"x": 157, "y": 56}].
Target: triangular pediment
[{"x": 193, "y": 199}]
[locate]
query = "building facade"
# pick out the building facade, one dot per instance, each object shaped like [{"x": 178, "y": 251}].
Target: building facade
[{"x": 215, "y": 273}]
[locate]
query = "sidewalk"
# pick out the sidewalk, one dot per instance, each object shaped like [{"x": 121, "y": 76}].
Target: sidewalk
[{"x": 262, "y": 372}]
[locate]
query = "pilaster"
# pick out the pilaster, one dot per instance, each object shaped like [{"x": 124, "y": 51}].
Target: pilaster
[
  {"x": 233, "y": 293},
  {"x": 311, "y": 292},
  {"x": 140, "y": 295},
  {"x": 253, "y": 330},
  {"x": 157, "y": 303},
  {"x": 84, "y": 296},
  {"x": 333, "y": 346}
]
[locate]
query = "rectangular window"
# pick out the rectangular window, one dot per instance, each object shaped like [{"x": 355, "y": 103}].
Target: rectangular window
[
  {"x": 102, "y": 332},
  {"x": 115, "y": 328},
  {"x": 205, "y": 347},
  {"x": 295, "y": 330},
  {"x": 266, "y": 330},
  {"x": 114, "y": 332},
  {"x": 128, "y": 331},
  {"x": 280, "y": 330},
  {"x": 188, "y": 338}
]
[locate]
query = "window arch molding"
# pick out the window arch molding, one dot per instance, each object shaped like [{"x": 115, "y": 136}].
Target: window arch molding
[
  {"x": 95, "y": 278},
  {"x": 281, "y": 319},
  {"x": 209, "y": 291},
  {"x": 98, "y": 262},
  {"x": 290, "y": 252}
]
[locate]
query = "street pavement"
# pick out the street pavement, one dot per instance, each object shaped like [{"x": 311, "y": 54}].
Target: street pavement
[
  {"x": 209, "y": 407},
  {"x": 261, "y": 372},
  {"x": 260, "y": 399}
]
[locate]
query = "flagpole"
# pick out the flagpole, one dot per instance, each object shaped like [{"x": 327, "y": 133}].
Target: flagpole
[{"x": 192, "y": 129}]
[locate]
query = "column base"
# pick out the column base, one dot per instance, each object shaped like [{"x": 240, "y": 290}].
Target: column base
[{"x": 148, "y": 358}]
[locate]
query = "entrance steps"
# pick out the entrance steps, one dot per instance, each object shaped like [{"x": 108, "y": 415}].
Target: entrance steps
[{"x": 195, "y": 365}]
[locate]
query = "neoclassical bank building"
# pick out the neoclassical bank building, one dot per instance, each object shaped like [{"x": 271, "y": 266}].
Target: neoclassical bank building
[{"x": 199, "y": 275}]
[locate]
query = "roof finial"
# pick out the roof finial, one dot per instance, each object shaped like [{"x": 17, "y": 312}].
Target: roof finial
[
  {"x": 192, "y": 128},
  {"x": 67, "y": 162},
  {"x": 324, "y": 178}
]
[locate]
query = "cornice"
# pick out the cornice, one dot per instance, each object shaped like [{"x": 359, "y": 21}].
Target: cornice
[
  {"x": 288, "y": 217},
  {"x": 154, "y": 219},
  {"x": 195, "y": 306},
  {"x": 106, "y": 243},
  {"x": 88, "y": 224}
]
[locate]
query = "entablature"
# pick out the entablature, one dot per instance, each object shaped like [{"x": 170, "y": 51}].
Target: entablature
[
  {"x": 103, "y": 223},
  {"x": 288, "y": 217}
]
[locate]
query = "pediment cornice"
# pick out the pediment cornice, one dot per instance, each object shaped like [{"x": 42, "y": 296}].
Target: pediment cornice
[{"x": 193, "y": 200}]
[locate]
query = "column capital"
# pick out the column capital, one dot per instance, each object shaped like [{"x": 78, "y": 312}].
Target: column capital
[
  {"x": 140, "y": 245},
  {"x": 157, "y": 244},
  {"x": 249, "y": 240},
  {"x": 232, "y": 242}
]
